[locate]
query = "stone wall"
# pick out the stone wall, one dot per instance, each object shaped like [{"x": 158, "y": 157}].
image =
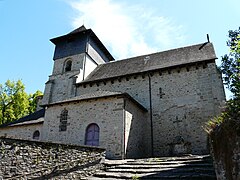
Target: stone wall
[
  {"x": 182, "y": 100},
  {"x": 136, "y": 86},
  {"x": 107, "y": 113},
  {"x": 60, "y": 84},
  {"x": 21, "y": 131},
  {"x": 29, "y": 160},
  {"x": 225, "y": 146},
  {"x": 137, "y": 129},
  {"x": 188, "y": 101},
  {"x": 121, "y": 123},
  {"x": 77, "y": 64}
]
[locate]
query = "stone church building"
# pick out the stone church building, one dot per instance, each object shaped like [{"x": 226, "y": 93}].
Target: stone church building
[{"x": 150, "y": 105}]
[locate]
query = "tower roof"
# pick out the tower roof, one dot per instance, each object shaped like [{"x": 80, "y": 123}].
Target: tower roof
[
  {"x": 80, "y": 29},
  {"x": 75, "y": 32},
  {"x": 83, "y": 31}
]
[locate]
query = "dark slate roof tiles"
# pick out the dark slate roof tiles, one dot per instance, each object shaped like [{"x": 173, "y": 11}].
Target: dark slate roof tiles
[
  {"x": 31, "y": 117},
  {"x": 150, "y": 62},
  {"x": 82, "y": 31}
]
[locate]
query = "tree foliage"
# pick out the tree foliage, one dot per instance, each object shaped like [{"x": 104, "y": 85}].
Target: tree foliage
[
  {"x": 230, "y": 69},
  {"x": 33, "y": 99},
  {"x": 224, "y": 130},
  {"x": 15, "y": 102},
  {"x": 231, "y": 63}
]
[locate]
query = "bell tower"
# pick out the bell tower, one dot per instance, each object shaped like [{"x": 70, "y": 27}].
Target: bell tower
[{"x": 76, "y": 55}]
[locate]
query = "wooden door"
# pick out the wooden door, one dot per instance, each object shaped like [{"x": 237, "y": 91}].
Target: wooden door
[{"x": 92, "y": 135}]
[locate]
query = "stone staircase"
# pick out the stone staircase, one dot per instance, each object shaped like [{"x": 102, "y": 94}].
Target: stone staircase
[{"x": 184, "y": 167}]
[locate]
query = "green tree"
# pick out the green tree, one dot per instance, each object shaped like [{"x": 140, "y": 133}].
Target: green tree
[
  {"x": 33, "y": 100},
  {"x": 231, "y": 63},
  {"x": 231, "y": 73},
  {"x": 15, "y": 102},
  {"x": 230, "y": 69},
  {"x": 224, "y": 130}
]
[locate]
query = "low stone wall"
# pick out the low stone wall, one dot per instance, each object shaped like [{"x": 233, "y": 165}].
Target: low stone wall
[
  {"x": 21, "y": 159},
  {"x": 225, "y": 148}
]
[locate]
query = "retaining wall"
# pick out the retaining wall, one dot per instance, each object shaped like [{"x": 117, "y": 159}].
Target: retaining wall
[{"x": 21, "y": 159}]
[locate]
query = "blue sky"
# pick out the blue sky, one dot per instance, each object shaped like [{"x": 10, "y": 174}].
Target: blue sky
[{"x": 127, "y": 28}]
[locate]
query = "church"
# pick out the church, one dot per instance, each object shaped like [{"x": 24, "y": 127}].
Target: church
[{"x": 145, "y": 106}]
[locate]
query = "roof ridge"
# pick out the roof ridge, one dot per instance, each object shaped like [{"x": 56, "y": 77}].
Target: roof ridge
[
  {"x": 173, "y": 49},
  {"x": 145, "y": 55},
  {"x": 79, "y": 29}
]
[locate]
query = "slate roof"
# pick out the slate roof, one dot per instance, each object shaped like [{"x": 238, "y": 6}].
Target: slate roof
[
  {"x": 150, "y": 62},
  {"x": 30, "y": 119},
  {"x": 82, "y": 31},
  {"x": 96, "y": 95}
]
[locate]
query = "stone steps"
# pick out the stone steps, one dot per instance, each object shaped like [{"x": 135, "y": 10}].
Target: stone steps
[
  {"x": 146, "y": 166},
  {"x": 185, "y": 167},
  {"x": 173, "y": 170},
  {"x": 108, "y": 175}
]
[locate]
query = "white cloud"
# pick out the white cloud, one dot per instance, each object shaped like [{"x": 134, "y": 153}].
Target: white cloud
[{"x": 127, "y": 30}]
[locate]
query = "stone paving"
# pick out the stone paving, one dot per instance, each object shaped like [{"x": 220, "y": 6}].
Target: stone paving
[{"x": 184, "y": 167}]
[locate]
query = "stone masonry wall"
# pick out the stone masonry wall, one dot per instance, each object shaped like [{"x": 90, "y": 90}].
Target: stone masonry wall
[
  {"x": 107, "y": 113},
  {"x": 187, "y": 102},
  {"x": 183, "y": 99},
  {"x": 39, "y": 160},
  {"x": 21, "y": 132},
  {"x": 136, "y": 86},
  {"x": 77, "y": 63},
  {"x": 136, "y": 144},
  {"x": 225, "y": 149},
  {"x": 60, "y": 84}
]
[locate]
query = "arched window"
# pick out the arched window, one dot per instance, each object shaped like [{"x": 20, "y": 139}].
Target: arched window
[
  {"x": 63, "y": 120},
  {"x": 68, "y": 65},
  {"x": 92, "y": 135},
  {"x": 36, "y": 135}
]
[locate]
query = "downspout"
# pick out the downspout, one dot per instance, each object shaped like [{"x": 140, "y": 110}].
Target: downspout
[
  {"x": 124, "y": 129},
  {"x": 150, "y": 106}
]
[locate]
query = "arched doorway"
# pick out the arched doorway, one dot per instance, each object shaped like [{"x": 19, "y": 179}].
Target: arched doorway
[{"x": 92, "y": 135}]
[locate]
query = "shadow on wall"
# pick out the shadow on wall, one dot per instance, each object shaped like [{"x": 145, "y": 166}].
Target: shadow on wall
[{"x": 136, "y": 143}]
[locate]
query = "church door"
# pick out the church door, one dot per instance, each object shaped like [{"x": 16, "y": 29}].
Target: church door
[{"x": 92, "y": 135}]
